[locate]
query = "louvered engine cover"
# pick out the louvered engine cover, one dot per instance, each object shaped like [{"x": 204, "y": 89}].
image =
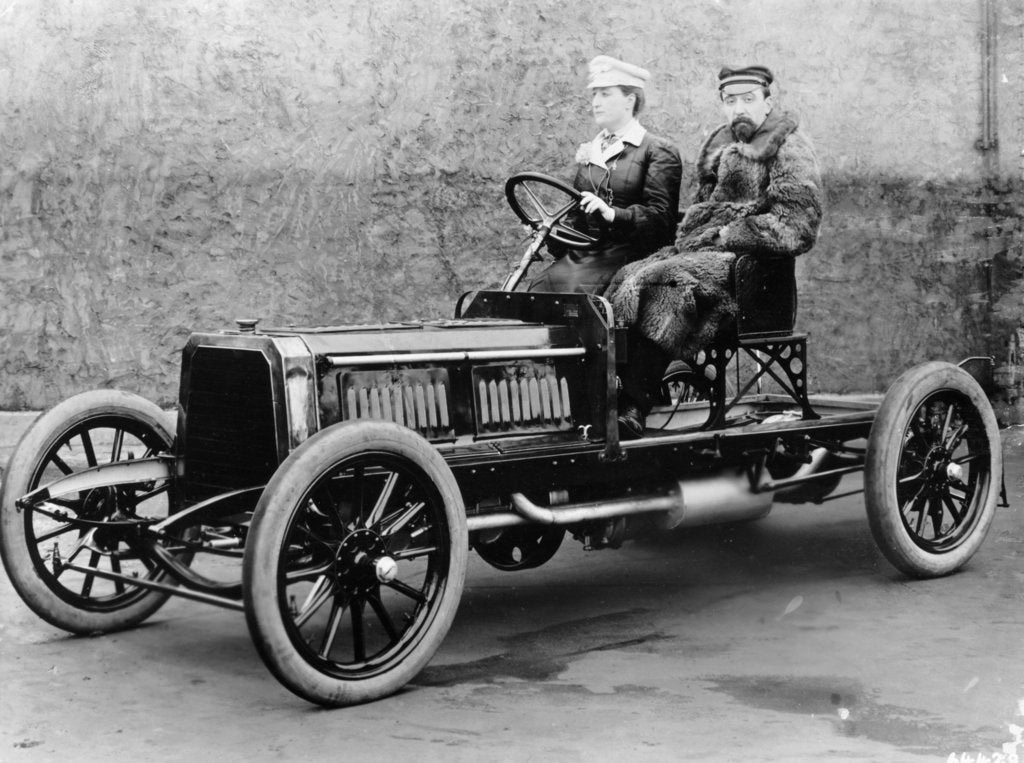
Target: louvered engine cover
[
  {"x": 524, "y": 396},
  {"x": 520, "y": 397},
  {"x": 415, "y": 398}
]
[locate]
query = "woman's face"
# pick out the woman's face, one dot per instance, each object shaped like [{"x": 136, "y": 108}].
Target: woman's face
[{"x": 612, "y": 108}]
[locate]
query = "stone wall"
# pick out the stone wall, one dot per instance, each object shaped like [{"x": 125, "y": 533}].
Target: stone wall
[{"x": 169, "y": 166}]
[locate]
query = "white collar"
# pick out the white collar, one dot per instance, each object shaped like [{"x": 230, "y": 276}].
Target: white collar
[{"x": 633, "y": 134}]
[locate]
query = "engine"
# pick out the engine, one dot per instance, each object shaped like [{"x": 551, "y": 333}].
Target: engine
[{"x": 249, "y": 396}]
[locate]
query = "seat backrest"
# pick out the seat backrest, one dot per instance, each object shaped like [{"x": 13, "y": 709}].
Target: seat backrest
[{"x": 765, "y": 292}]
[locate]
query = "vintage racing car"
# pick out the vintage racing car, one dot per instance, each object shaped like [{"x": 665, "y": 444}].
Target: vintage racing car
[{"x": 348, "y": 470}]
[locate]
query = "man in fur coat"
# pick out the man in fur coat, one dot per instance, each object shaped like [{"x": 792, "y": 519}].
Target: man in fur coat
[{"x": 757, "y": 207}]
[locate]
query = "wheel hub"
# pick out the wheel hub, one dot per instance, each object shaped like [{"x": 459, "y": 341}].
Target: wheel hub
[
  {"x": 101, "y": 504},
  {"x": 362, "y": 563},
  {"x": 98, "y": 503},
  {"x": 939, "y": 466}
]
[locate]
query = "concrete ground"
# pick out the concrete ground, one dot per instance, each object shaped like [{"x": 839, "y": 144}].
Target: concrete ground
[{"x": 785, "y": 639}]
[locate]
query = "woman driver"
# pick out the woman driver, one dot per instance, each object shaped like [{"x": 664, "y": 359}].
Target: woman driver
[{"x": 630, "y": 185}]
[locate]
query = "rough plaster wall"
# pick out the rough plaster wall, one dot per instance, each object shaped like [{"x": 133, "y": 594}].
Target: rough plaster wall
[{"x": 169, "y": 166}]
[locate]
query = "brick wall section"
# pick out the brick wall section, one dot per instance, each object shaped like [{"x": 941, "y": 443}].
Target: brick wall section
[{"x": 166, "y": 167}]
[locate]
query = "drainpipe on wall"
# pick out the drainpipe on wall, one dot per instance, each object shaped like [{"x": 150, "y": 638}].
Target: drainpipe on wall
[{"x": 988, "y": 143}]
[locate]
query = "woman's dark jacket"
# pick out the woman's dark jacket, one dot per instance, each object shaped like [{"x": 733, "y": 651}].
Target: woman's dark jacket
[{"x": 641, "y": 182}]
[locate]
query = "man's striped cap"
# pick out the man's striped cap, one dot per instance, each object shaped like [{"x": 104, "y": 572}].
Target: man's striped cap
[{"x": 738, "y": 80}]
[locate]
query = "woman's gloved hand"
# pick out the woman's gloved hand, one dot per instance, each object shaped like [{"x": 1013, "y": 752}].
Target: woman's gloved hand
[{"x": 595, "y": 205}]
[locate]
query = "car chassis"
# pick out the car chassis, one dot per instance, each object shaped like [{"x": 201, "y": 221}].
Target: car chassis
[{"x": 349, "y": 469}]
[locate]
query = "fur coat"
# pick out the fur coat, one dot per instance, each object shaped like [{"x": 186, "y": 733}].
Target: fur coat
[{"x": 758, "y": 205}]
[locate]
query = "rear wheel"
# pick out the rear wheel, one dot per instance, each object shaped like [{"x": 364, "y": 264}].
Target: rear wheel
[
  {"x": 934, "y": 462},
  {"x": 355, "y": 563},
  {"x": 54, "y": 552}
]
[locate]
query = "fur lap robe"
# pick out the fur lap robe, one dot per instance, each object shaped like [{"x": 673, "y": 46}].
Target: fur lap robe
[
  {"x": 680, "y": 301},
  {"x": 760, "y": 201}
]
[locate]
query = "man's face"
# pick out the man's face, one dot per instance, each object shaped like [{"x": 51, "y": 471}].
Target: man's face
[
  {"x": 746, "y": 112},
  {"x": 612, "y": 108}
]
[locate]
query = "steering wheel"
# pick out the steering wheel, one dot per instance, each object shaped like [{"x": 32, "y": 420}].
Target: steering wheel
[{"x": 542, "y": 201}]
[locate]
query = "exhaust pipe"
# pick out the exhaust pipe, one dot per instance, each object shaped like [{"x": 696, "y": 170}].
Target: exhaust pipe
[
  {"x": 571, "y": 514},
  {"x": 689, "y": 503}
]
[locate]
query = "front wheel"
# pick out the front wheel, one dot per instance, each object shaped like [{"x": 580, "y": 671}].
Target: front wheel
[
  {"x": 355, "y": 563},
  {"x": 934, "y": 462},
  {"x": 57, "y": 552}
]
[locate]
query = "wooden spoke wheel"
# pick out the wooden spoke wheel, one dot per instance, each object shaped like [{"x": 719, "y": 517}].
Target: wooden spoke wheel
[
  {"x": 56, "y": 551},
  {"x": 933, "y": 470},
  {"x": 355, "y": 563}
]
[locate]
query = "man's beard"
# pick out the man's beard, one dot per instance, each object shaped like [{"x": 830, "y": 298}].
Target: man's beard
[{"x": 743, "y": 128}]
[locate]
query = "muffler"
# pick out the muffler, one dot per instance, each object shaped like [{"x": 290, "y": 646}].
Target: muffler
[{"x": 717, "y": 499}]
